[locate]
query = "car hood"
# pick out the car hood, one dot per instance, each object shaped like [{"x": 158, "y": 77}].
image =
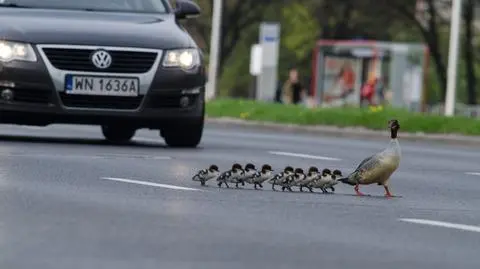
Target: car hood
[{"x": 92, "y": 28}]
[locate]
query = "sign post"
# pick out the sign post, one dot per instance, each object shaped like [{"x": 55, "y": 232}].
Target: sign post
[
  {"x": 453, "y": 57},
  {"x": 256, "y": 60},
  {"x": 270, "y": 44},
  {"x": 211, "y": 87}
]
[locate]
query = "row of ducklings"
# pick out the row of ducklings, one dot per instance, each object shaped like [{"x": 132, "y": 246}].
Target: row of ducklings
[{"x": 286, "y": 179}]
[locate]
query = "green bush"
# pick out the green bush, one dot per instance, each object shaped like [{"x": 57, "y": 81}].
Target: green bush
[{"x": 375, "y": 119}]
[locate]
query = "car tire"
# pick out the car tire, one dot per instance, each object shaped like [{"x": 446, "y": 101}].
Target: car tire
[
  {"x": 118, "y": 134},
  {"x": 187, "y": 135}
]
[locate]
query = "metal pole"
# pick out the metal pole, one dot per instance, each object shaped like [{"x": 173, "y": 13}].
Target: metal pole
[
  {"x": 214, "y": 50},
  {"x": 453, "y": 57}
]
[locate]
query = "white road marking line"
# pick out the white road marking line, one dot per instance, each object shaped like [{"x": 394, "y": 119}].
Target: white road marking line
[
  {"x": 291, "y": 154},
  {"x": 464, "y": 227},
  {"x": 152, "y": 184},
  {"x": 473, "y": 173}
]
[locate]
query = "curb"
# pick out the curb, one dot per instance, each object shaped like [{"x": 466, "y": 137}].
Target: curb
[{"x": 348, "y": 132}]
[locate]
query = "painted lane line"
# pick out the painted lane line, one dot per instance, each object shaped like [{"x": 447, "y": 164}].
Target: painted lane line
[
  {"x": 464, "y": 227},
  {"x": 148, "y": 183},
  {"x": 300, "y": 155},
  {"x": 473, "y": 173}
]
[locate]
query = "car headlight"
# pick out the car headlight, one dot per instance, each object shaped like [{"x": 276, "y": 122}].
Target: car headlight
[
  {"x": 10, "y": 51},
  {"x": 183, "y": 58}
]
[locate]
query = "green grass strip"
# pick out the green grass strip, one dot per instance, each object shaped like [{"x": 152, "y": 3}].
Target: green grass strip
[{"x": 374, "y": 119}]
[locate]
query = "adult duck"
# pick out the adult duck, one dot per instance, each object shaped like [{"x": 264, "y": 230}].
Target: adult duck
[{"x": 379, "y": 167}]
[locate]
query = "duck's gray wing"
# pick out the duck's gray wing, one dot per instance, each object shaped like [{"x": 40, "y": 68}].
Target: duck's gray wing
[
  {"x": 365, "y": 165},
  {"x": 368, "y": 163}
]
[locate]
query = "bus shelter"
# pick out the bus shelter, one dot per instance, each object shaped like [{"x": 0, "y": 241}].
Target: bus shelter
[{"x": 357, "y": 73}]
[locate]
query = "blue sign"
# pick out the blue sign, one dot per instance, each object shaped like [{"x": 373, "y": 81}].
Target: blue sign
[
  {"x": 270, "y": 39},
  {"x": 269, "y": 32}
]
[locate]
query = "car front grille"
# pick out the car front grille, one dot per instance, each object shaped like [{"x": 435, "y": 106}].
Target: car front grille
[
  {"x": 78, "y": 59},
  {"x": 101, "y": 102}
]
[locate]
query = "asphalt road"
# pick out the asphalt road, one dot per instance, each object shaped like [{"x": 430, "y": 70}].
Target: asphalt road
[{"x": 69, "y": 200}]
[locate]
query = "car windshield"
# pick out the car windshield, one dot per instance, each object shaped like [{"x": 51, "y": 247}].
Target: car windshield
[{"x": 136, "y": 6}]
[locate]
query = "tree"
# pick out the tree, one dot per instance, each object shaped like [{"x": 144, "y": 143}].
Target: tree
[
  {"x": 429, "y": 24},
  {"x": 237, "y": 16},
  {"x": 305, "y": 21},
  {"x": 468, "y": 50}
]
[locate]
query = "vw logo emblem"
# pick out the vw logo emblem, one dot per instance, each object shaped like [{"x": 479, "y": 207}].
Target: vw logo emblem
[{"x": 101, "y": 59}]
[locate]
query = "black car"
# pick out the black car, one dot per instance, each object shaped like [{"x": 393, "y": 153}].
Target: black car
[{"x": 120, "y": 64}]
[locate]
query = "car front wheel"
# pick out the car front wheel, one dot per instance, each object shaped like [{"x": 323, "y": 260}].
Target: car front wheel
[
  {"x": 186, "y": 135},
  {"x": 118, "y": 134}
]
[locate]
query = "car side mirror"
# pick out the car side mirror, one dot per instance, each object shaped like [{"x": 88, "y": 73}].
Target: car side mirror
[{"x": 186, "y": 9}]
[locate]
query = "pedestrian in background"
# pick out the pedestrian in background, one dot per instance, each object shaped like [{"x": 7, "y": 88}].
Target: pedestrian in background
[{"x": 293, "y": 91}]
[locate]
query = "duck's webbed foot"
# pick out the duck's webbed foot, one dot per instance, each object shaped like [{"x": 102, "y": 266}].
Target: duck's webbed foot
[
  {"x": 388, "y": 194},
  {"x": 357, "y": 191}
]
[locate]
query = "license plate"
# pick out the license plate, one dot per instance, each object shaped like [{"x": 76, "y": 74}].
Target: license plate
[{"x": 90, "y": 85}]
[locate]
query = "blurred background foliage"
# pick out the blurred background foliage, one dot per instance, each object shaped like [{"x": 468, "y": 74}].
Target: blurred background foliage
[{"x": 305, "y": 21}]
